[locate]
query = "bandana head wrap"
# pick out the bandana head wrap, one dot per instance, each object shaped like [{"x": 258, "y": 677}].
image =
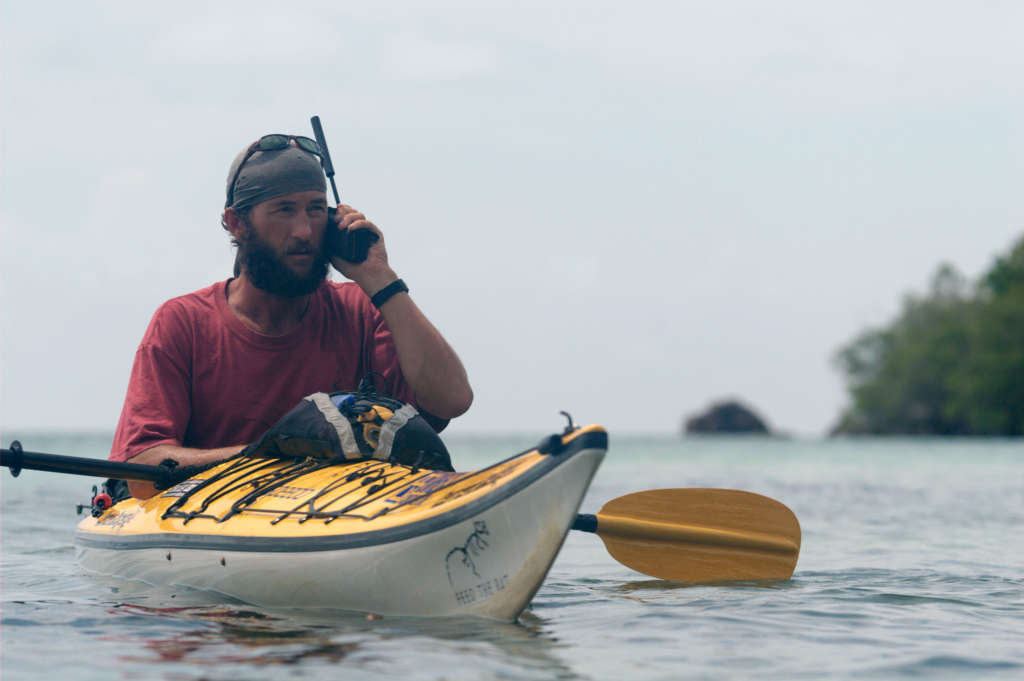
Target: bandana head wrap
[{"x": 268, "y": 174}]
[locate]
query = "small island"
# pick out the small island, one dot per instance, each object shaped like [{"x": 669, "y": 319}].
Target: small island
[
  {"x": 950, "y": 363},
  {"x": 726, "y": 417}
]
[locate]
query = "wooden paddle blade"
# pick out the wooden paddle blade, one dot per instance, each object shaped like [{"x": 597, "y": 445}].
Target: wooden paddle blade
[{"x": 701, "y": 535}]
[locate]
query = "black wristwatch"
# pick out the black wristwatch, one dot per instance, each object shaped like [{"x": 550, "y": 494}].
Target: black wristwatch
[{"x": 384, "y": 295}]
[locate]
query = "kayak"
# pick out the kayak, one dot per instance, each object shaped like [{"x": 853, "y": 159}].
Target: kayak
[{"x": 369, "y": 536}]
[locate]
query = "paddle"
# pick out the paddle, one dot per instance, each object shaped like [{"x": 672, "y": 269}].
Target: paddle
[
  {"x": 699, "y": 535},
  {"x": 684, "y": 535}
]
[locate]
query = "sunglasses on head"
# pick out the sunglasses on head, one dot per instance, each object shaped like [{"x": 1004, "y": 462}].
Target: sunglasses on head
[{"x": 275, "y": 142}]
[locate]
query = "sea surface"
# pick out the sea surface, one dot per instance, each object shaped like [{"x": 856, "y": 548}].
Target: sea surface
[{"x": 912, "y": 566}]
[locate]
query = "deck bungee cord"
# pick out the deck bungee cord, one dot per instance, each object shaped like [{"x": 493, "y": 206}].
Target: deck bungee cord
[{"x": 375, "y": 480}]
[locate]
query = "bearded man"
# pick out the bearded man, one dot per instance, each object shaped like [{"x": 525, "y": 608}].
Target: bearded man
[{"x": 217, "y": 367}]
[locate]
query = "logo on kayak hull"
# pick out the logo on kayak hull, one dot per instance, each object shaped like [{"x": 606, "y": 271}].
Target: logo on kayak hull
[
  {"x": 474, "y": 572},
  {"x": 468, "y": 552}
]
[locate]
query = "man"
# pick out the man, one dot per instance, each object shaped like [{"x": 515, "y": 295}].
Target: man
[{"x": 218, "y": 367}]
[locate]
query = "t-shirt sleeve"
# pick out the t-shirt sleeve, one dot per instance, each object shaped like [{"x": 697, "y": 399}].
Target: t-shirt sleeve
[
  {"x": 158, "y": 402},
  {"x": 384, "y": 362}
]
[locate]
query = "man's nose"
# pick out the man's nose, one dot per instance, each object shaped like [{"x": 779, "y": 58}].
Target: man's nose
[{"x": 302, "y": 227}]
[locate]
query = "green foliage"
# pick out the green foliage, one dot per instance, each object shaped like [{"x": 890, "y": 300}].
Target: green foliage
[{"x": 952, "y": 363}]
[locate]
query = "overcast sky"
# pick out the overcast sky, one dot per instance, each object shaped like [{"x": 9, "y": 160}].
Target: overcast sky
[{"x": 625, "y": 210}]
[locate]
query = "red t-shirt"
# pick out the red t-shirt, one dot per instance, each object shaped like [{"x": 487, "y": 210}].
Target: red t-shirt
[{"x": 203, "y": 379}]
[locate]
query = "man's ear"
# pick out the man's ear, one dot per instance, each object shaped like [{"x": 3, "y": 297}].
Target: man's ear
[{"x": 233, "y": 222}]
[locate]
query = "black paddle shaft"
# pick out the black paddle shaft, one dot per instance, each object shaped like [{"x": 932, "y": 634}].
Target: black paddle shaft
[
  {"x": 585, "y": 522},
  {"x": 16, "y": 459}
]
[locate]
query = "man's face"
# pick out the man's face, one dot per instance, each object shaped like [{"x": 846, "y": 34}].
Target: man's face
[{"x": 282, "y": 244}]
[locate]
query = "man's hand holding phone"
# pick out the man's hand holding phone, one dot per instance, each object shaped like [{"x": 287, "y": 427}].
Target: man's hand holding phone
[
  {"x": 351, "y": 244},
  {"x": 356, "y": 249}
]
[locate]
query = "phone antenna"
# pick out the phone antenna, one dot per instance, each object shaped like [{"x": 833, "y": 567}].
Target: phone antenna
[{"x": 325, "y": 160}]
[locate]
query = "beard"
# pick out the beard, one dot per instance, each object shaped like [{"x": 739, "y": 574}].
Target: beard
[{"x": 268, "y": 271}]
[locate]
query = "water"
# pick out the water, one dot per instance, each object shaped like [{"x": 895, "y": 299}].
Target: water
[{"x": 912, "y": 567}]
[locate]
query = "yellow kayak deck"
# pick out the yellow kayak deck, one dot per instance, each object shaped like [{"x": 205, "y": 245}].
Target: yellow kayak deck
[{"x": 275, "y": 504}]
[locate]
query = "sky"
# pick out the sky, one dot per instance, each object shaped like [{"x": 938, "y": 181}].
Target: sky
[{"x": 626, "y": 211}]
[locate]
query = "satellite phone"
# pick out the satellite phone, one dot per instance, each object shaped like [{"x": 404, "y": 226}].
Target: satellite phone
[{"x": 351, "y": 246}]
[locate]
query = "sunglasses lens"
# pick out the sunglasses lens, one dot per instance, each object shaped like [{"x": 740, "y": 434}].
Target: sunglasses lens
[
  {"x": 273, "y": 142},
  {"x": 309, "y": 145}
]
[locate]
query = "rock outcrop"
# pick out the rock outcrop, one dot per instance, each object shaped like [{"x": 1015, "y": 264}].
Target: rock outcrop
[{"x": 727, "y": 417}]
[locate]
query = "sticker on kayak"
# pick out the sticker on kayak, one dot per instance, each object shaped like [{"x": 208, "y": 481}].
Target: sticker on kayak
[
  {"x": 116, "y": 519},
  {"x": 435, "y": 489},
  {"x": 474, "y": 569},
  {"x": 480, "y": 482},
  {"x": 290, "y": 492},
  {"x": 183, "y": 488},
  {"x": 415, "y": 493}
]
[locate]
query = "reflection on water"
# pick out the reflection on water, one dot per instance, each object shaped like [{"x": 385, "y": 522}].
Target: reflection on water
[
  {"x": 215, "y": 635},
  {"x": 270, "y": 640},
  {"x": 665, "y": 585}
]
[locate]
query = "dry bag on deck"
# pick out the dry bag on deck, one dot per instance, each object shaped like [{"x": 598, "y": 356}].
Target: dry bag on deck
[{"x": 354, "y": 427}]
